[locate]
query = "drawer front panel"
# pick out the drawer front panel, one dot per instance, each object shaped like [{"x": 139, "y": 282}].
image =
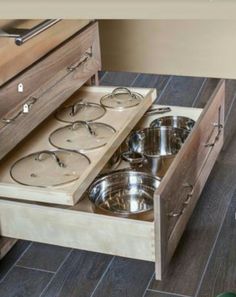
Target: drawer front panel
[
  {"x": 183, "y": 183},
  {"x": 17, "y": 58},
  {"x": 51, "y": 83},
  {"x": 75, "y": 229}
]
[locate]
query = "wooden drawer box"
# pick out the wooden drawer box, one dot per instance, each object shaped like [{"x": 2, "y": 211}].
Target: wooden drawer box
[{"x": 78, "y": 227}]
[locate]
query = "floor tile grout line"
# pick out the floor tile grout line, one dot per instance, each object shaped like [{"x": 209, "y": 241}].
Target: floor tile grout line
[
  {"x": 53, "y": 277},
  {"x": 199, "y": 92},
  {"x": 104, "y": 74},
  {"x": 102, "y": 277},
  {"x": 135, "y": 79},
  {"x": 168, "y": 293},
  {"x": 163, "y": 90},
  {"x": 149, "y": 282},
  {"x": 33, "y": 268},
  {"x": 23, "y": 253},
  {"x": 213, "y": 248}
]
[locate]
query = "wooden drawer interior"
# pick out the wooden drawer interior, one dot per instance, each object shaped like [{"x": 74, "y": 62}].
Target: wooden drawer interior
[
  {"x": 121, "y": 121},
  {"x": 46, "y": 85}
]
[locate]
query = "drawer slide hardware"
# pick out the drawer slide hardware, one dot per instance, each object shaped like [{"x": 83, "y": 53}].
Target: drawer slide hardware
[{"x": 23, "y": 35}]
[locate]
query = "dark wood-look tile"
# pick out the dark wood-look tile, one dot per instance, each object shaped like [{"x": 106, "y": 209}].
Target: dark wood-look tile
[
  {"x": 118, "y": 79},
  {"x": 101, "y": 74},
  {"x": 181, "y": 91},
  {"x": 79, "y": 275},
  {"x": 230, "y": 93},
  {"x": 206, "y": 92},
  {"x": 188, "y": 264},
  {"x": 126, "y": 278},
  {"x": 44, "y": 256},
  {"x": 23, "y": 282},
  {"x": 221, "y": 273},
  {"x": 10, "y": 259},
  {"x": 160, "y": 294},
  {"x": 152, "y": 81}
]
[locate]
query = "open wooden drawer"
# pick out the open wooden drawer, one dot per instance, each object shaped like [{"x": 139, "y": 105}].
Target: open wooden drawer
[{"x": 78, "y": 227}]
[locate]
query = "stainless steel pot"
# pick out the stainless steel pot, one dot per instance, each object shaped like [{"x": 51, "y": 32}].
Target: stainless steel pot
[
  {"x": 125, "y": 193},
  {"x": 173, "y": 121},
  {"x": 153, "y": 149}
]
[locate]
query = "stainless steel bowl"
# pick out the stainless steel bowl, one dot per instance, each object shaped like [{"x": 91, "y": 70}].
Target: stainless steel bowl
[
  {"x": 125, "y": 193},
  {"x": 154, "y": 148},
  {"x": 173, "y": 121}
]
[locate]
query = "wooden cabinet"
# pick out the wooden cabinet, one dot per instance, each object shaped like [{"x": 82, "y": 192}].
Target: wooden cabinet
[{"x": 58, "y": 216}]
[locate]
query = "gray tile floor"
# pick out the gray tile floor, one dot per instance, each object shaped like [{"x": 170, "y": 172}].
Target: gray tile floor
[{"x": 205, "y": 262}]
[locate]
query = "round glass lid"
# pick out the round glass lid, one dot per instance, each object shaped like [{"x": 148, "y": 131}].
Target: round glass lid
[
  {"x": 121, "y": 98},
  {"x": 80, "y": 111},
  {"x": 49, "y": 168},
  {"x": 81, "y": 136}
]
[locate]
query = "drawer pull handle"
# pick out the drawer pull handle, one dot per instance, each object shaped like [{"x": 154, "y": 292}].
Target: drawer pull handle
[
  {"x": 157, "y": 110},
  {"x": 80, "y": 62},
  {"x": 174, "y": 214},
  {"x": 25, "y": 109},
  {"x": 219, "y": 126},
  {"x": 23, "y": 35},
  {"x": 51, "y": 154}
]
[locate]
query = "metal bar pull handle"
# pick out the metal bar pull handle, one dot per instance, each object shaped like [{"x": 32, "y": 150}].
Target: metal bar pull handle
[{"x": 23, "y": 35}]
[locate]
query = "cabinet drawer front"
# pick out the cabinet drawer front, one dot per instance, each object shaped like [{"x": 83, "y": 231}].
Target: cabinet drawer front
[
  {"x": 77, "y": 229},
  {"x": 16, "y": 58},
  {"x": 48, "y": 79},
  {"x": 184, "y": 181}
]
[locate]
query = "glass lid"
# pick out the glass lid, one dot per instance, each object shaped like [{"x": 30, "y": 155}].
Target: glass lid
[
  {"x": 121, "y": 98},
  {"x": 49, "y": 168},
  {"x": 82, "y": 136},
  {"x": 80, "y": 111}
]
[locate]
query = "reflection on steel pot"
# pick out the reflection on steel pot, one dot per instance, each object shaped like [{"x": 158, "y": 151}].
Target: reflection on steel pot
[
  {"x": 173, "y": 121},
  {"x": 157, "y": 148},
  {"x": 125, "y": 193}
]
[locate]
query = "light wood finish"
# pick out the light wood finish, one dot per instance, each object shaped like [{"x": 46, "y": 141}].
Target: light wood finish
[
  {"x": 48, "y": 79},
  {"x": 191, "y": 166},
  {"x": 17, "y": 58},
  {"x": 122, "y": 121},
  {"x": 5, "y": 245},
  {"x": 78, "y": 229}
]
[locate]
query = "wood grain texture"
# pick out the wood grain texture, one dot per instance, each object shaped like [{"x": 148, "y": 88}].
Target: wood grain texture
[
  {"x": 181, "y": 91},
  {"x": 78, "y": 276},
  {"x": 12, "y": 257},
  {"x": 6, "y": 245},
  {"x": 17, "y": 58},
  {"x": 189, "y": 161},
  {"x": 189, "y": 261},
  {"x": 43, "y": 257},
  {"x": 24, "y": 282},
  {"x": 220, "y": 275},
  {"x": 125, "y": 277}
]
